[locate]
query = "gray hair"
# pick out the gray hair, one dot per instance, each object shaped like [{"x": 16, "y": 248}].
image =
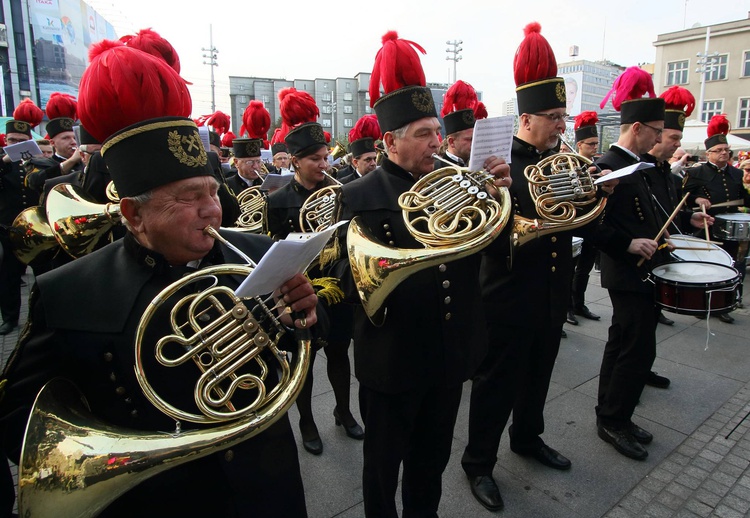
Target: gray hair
[{"x": 400, "y": 132}]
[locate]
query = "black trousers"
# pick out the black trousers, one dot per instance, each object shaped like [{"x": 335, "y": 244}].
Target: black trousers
[
  {"x": 11, "y": 270},
  {"x": 414, "y": 428},
  {"x": 628, "y": 356},
  {"x": 514, "y": 376},
  {"x": 584, "y": 265}
]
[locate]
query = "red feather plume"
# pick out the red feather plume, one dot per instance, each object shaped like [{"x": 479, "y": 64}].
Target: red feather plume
[
  {"x": 327, "y": 137},
  {"x": 228, "y": 139},
  {"x": 2, "y": 140},
  {"x": 61, "y": 105},
  {"x": 29, "y": 112},
  {"x": 460, "y": 96},
  {"x": 396, "y": 65},
  {"x": 219, "y": 121},
  {"x": 276, "y": 137},
  {"x": 679, "y": 98},
  {"x": 124, "y": 86},
  {"x": 584, "y": 119},
  {"x": 631, "y": 84},
  {"x": 297, "y": 107},
  {"x": 256, "y": 120},
  {"x": 366, "y": 127},
  {"x": 534, "y": 59},
  {"x": 151, "y": 42},
  {"x": 718, "y": 125},
  {"x": 480, "y": 111}
]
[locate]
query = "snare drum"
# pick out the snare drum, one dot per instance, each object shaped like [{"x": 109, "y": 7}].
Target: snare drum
[
  {"x": 732, "y": 227},
  {"x": 695, "y": 249},
  {"x": 577, "y": 246},
  {"x": 695, "y": 288}
]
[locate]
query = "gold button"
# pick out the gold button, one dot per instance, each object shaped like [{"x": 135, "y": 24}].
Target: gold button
[
  {"x": 553, "y": 268},
  {"x": 391, "y": 243},
  {"x": 446, "y": 284},
  {"x": 107, "y": 357},
  {"x": 448, "y": 316},
  {"x": 134, "y": 413},
  {"x": 554, "y": 239},
  {"x": 120, "y": 391},
  {"x": 386, "y": 226},
  {"x": 442, "y": 268},
  {"x": 447, "y": 300},
  {"x": 554, "y": 255},
  {"x": 229, "y": 455},
  {"x": 388, "y": 234},
  {"x": 112, "y": 377}
]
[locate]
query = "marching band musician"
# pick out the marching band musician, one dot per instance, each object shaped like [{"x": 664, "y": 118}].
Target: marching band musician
[
  {"x": 458, "y": 118},
  {"x": 168, "y": 196},
  {"x": 362, "y": 138},
  {"x": 248, "y": 162},
  {"x": 307, "y": 145},
  {"x": 718, "y": 181},
  {"x": 412, "y": 367}
]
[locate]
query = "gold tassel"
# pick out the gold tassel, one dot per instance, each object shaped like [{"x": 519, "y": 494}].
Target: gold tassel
[
  {"x": 330, "y": 253},
  {"x": 328, "y": 289}
]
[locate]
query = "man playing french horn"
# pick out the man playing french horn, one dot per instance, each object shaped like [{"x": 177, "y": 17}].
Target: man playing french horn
[{"x": 86, "y": 316}]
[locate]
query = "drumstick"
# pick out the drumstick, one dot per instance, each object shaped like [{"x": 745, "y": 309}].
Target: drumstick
[
  {"x": 669, "y": 222},
  {"x": 692, "y": 248},
  {"x": 732, "y": 203},
  {"x": 705, "y": 225}
]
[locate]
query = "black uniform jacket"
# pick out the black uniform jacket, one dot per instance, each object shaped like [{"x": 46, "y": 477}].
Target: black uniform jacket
[
  {"x": 434, "y": 330},
  {"x": 706, "y": 181},
  {"x": 45, "y": 169},
  {"x": 667, "y": 189},
  {"x": 237, "y": 184},
  {"x": 14, "y": 195},
  {"x": 84, "y": 331},
  {"x": 631, "y": 212},
  {"x": 529, "y": 284},
  {"x": 345, "y": 172}
]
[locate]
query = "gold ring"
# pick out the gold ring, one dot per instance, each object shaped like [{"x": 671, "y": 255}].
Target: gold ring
[{"x": 303, "y": 321}]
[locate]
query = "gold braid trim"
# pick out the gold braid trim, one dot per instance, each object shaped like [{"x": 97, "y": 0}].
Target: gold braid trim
[
  {"x": 327, "y": 288},
  {"x": 143, "y": 129}
]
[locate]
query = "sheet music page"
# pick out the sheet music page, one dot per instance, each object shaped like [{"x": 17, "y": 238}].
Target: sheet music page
[
  {"x": 625, "y": 171},
  {"x": 22, "y": 151},
  {"x": 284, "y": 260},
  {"x": 276, "y": 181},
  {"x": 492, "y": 136},
  {"x": 205, "y": 137}
]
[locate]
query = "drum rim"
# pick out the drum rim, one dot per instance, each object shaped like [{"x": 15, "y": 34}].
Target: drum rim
[{"x": 672, "y": 282}]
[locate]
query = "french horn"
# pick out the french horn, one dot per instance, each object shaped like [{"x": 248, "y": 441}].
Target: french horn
[
  {"x": 72, "y": 464},
  {"x": 252, "y": 203},
  {"x": 316, "y": 213},
  {"x": 449, "y": 211}
]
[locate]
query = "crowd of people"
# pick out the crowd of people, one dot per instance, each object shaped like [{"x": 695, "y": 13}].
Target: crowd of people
[{"x": 494, "y": 316}]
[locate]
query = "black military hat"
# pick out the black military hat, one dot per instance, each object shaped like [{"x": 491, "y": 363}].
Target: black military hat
[
  {"x": 459, "y": 120},
  {"x": 214, "y": 139},
  {"x": 247, "y": 147},
  {"x": 541, "y": 95},
  {"x": 306, "y": 137},
  {"x": 535, "y": 71},
  {"x": 153, "y": 153},
  {"x": 14, "y": 126},
  {"x": 86, "y": 137},
  {"x": 585, "y": 125},
  {"x": 679, "y": 104},
  {"x": 717, "y": 130},
  {"x": 645, "y": 109},
  {"x": 400, "y": 107},
  {"x": 279, "y": 147},
  {"x": 361, "y": 146},
  {"x": 59, "y": 125}
]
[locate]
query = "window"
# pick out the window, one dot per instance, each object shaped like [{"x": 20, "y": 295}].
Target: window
[
  {"x": 368, "y": 109},
  {"x": 326, "y": 123},
  {"x": 743, "y": 121},
  {"x": 325, "y": 109},
  {"x": 266, "y": 99},
  {"x": 746, "y": 64},
  {"x": 711, "y": 108},
  {"x": 716, "y": 69},
  {"x": 348, "y": 123},
  {"x": 348, "y": 109},
  {"x": 677, "y": 72},
  {"x": 326, "y": 97},
  {"x": 348, "y": 95}
]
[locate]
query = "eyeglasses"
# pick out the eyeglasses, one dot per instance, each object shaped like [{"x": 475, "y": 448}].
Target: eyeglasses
[
  {"x": 592, "y": 144},
  {"x": 719, "y": 151},
  {"x": 658, "y": 131},
  {"x": 13, "y": 140},
  {"x": 554, "y": 117}
]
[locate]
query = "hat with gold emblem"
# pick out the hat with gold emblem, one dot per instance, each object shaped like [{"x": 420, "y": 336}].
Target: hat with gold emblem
[
  {"x": 585, "y": 125},
  {"x": 256, "y": 121},
  {"x": 363, "y": 136},
  {"x": 717, "y": 130},
  {"x": 398, "y": 69},
  {"x": 298, "y": 115},
  {"x": 148, "y": 139},
  {"x": 458, "y": 107},
  {"x": 26, "y": 112},
  {"x": 535, "y": 73},
  {"x": 679, "y": 104},
  {"x": 61, "y": 110},
  {"x": 627, "y": 97}
]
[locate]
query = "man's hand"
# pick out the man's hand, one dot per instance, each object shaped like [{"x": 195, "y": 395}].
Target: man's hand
[
  {"x": 299, "y": 295},
  {"x": 609, "y": 185},
  {"x": 501, "y": 171},
  {"x": 643, "y": 247},
  {"x": 700, "y": 220},
  {"x": 703, "y": 203}
]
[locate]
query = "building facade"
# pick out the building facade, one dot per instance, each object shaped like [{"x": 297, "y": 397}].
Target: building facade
[{"x": 722, "y": 53}]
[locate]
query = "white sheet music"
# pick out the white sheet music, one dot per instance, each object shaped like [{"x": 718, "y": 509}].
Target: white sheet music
[
  {"x": 625, "y": 171},
  {"x": 492, "y": 136},
  {"x": 275, "y": 181},
  {"x": 22, "y": 151},
  {"x": 284, "y": 260}
]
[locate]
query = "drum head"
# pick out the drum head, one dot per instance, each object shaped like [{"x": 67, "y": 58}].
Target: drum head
[
  {"x": 699, "y": 250},
  {"x": 577, "y": 246},
  {"x": 690, "y": 272}
]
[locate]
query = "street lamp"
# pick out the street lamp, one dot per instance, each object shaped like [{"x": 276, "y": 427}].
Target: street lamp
[
  {"x": 454, "y": 54},
  {"x": 706, "y": 63},
  {"x": 211, "y": 57}
]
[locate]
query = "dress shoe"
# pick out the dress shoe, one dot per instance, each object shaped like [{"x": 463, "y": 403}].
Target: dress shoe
[
  {"x": 7, "y": 327},
  {"x": 548, "y": 456},
  {"x": 563, "y": 334},
  {"x": 314, "y": 446},
  {"x": 484, "y": 488},
  {"x": 640, "y": 435},
  {"x": 354, "y": 431},
  {"x": 310, "y": 437},
  {"x": 586, "y": 313},
  {"x": 623, "y": 441},
  {"x": 654, "y": 380},
  {"x": 724, "y": 317},
  {"x": 571, "y": 318},
  {"x": 664, "y": 320}
]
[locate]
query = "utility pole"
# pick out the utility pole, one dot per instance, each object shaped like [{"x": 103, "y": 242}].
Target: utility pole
[
  {"x": 706, "y": 63},
  {"x": 211, "y": 57},
  {"x": 454, "y": 54}
]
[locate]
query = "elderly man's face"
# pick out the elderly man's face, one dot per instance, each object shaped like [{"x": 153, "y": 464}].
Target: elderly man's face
[
  {"x": 172, "y": 221},
  {"x": 413, "y": 152},
  {"x": 248, "y": 167},
  {"x": 719, "y": 155},
  {"x": 542, "y": 130}
]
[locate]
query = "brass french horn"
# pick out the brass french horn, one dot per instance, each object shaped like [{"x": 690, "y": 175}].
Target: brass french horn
[
  {"x": 316, "y": 213},
  {"x": 449, "y": 211},
  {"x": 72, "y": 464},
  {"x": 252, "y": 205}
]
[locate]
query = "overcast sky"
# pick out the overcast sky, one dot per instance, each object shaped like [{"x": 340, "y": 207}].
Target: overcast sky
[{"x": 302, "y": 39}]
